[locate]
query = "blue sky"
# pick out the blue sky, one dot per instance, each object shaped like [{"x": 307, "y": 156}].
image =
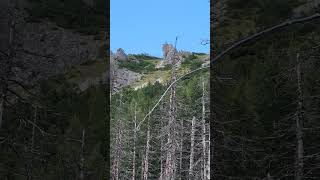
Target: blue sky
[{"x": 142, "y": 26}]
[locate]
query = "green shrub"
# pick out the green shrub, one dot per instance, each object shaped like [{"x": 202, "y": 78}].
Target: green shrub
[
  {"x": 192, "y": 62},
  {"x": 139, "y": 67},
  {"x": 143, "y": 56}
]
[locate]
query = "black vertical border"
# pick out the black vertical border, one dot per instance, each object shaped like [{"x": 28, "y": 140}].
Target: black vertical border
[
  {"x": 108, "y": 90},
  {"x": 211, "y": 90}
]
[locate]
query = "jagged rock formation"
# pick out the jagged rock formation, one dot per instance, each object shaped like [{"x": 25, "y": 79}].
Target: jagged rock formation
[
  {"x": 120, "y": 77},
  {"x": 166, "y": 49},
  {"x": 169, "y": 53},
  {"x": 121, "y": 55}
]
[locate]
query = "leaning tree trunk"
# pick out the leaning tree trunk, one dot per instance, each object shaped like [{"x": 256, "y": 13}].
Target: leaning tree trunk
[{"x": 299, "y": 126}]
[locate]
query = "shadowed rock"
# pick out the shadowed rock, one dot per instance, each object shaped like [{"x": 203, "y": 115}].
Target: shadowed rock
[{"x": 121, "y": 55}]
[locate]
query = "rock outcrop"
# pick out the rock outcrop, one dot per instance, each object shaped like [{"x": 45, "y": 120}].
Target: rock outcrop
[
  {"x": 166, "y": 49},
  {"x": 169, "y": 55},
  {"x": 43, "y": 48},
  {"x": 121, "y": 55},
  {"x": 120, "y": 77}
]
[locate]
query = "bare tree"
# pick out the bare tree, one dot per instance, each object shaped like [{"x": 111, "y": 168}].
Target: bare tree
[
  {"x": 170, "y": 166},
  {"x": 181, "y": 149},
  {"x": 205, "y": 149},
  {"x": 134, "y": 143},
  {"x": 118, "y": 147},
  {"x": 145, "y": 171},
  {"x": 192, "y": 148}
]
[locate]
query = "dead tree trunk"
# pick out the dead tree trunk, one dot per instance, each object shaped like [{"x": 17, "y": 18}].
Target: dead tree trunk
[
  {"x": 299, "y": 126},
  {"x": 170, "y": 166},
  {"x": 146, "y": 158},
  {"x": 161, "y": 155},
  {"x": 118, "y": 152},
  {"x": 118, "y": 146},
  {"x": 203, "y": 134},
  {"x": 192, "y": 139},
  {"x": 134, "y": 144},
  {"x": 181, "y": 150},
  {"x": 208, "y": 159}
]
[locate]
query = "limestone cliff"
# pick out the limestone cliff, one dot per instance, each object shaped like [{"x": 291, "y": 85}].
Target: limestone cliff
[{"x": 41, "y": 48}]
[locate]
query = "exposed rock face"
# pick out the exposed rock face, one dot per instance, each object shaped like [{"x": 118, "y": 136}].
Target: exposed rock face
[
  {"x": 123, "y": 78},
  {"x": 121, "y": 55},
  {"x": 67, "y": 47},
  {"x": 166, "y": 49},
  {"x": 45, "y": 49},
  {"x": 120, "y": 77},
  {"x": 169, "y": 54}
]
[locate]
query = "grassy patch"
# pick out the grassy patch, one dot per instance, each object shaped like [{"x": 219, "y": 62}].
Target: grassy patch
[
  {"x": 143, "y": 56},
  {"x": 192, "y": 62},
  {"x": 143, "y": 66}
]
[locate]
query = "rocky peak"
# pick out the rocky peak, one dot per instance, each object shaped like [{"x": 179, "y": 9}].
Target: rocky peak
[
  {"x": 121, "y": 55},
  {"x": 169, "y": 53},
  {"x": 166, "y": 49}
]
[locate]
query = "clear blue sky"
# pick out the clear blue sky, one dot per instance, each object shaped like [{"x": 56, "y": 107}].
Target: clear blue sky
[{"x": 142, "y": 26}]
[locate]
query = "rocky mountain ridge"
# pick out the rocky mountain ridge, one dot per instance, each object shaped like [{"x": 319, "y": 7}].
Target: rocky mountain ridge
[{"x": 122, "y": 77}]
